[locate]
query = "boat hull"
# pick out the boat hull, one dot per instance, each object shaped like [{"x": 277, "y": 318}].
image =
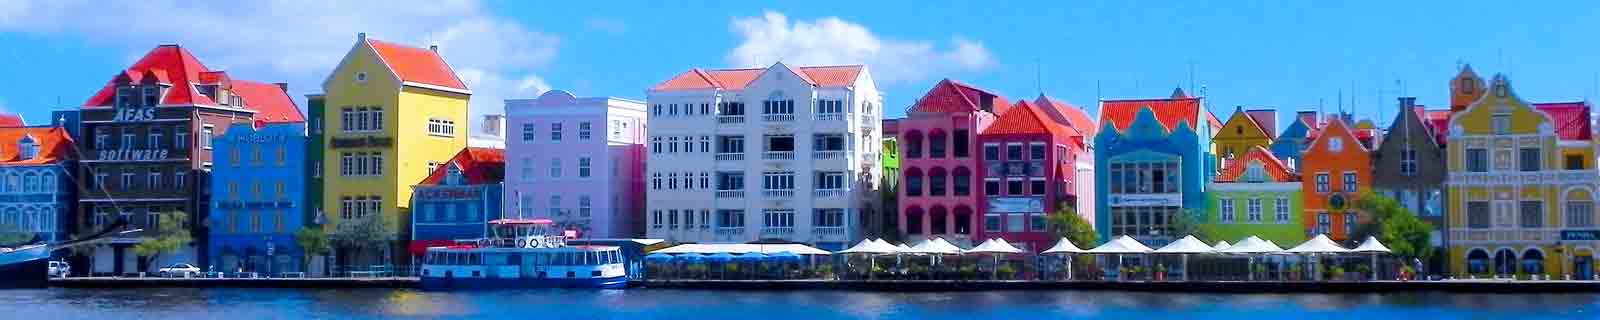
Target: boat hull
[
  {"x": 445, "y": 284},
  {"x": 26, "y": 268}
]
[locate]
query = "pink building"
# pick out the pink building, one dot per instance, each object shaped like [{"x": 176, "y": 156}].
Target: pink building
[
  {"x": 578, "y": 161},
  {"x": 939, "y": 160},
  {"x": 1030, "y": 169}
]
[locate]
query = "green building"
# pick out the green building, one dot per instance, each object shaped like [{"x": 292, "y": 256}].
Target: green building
[
  {"x": 1255, "y": 194},
  {"x": 313, "y": 157}
]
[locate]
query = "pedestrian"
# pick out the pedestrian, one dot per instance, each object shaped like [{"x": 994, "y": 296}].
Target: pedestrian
[{"x": 1417, "y": 269}]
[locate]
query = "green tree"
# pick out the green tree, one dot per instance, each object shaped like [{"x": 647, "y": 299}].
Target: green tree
[
  {"x": 13, "y": 236},
  {"x": 358, "y": 235},
  {"x": 890, "y": 199},
  {"x": 313, "y": 242},
  {"x": 1395, "y": 226},
  {"x": 1065, "y": 222},
  {"x": 171, "y": 234},
  {"x": 1192, "y": 222}
]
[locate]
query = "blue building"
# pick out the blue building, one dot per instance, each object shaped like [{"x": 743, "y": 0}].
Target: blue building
[
  {"x": 37, "y": 195},
  {"x": 1152, "y": 163},
  {"x": 258, "y": 198},
  {"x": 1292, "y": 142},
  {"x": 458, "y": 199}
]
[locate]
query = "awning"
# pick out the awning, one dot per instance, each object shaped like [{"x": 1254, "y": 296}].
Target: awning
[
  {"x": 1121, "y": 245},
  {"x": 1318, "y": 244},
  {"x": 1063, "y": 246},
  {"x": 1186, "y": 245},
  {"x": 1371, "y": 245}
]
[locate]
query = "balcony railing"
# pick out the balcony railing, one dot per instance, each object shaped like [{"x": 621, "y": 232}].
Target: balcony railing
[
  {"x": 730, "y": 193},
  {"x": 867, "y": 119},
  {"x": 729, "y": 230},
  {"x": 730, "y": 119},
  {"x": 730, "y": 156},
  {"x": 778, "y": 155},
  {"x": 777, "y": 231},
  {"x": 778, "y": 193},
  {"x": 778, "y": 118},
  {"x": 827, "y": 154},
  {"x": 827, "y": 193},
  {"x": 830, "y": 117},
  {"x": 828, "y": 231}
]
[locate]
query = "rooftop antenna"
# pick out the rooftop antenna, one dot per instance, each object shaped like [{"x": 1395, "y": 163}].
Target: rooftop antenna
[
  {"x": 1191, "y": 75},
  {"x": 1038, "y": 75},
  {"x": 1097, "y": 93}
]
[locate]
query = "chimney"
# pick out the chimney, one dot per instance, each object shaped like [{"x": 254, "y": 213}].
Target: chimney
[
  {"x": 494, "y": 124},
  {"x": 1267, "y": 118},
  {"x": 283, "y": 85},
  {"x": 1408, "y": 102},
  {"x": 434, "y": 48},
  {"x": 361, "y": 36},
  {"x": 1308, "y": 117}
]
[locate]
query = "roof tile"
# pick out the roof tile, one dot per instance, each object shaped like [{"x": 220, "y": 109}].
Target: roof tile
[
  {"x": 54, "y": 145},
  {"x": 478, "y": 165},
  {"x": 1170, "y": 112},
  {"x": 417, "y": 65},
  {"x": 737, "y": 79}
]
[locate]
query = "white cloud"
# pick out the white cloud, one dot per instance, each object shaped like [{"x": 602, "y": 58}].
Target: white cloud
[
  {"x": 772, "y": 37},
  {"x": 300, "y": 41}
]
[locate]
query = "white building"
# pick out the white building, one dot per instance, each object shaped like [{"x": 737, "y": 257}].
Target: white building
[
  {"x": 781, "y": 153},
  {"x": 578, "y": 161}
]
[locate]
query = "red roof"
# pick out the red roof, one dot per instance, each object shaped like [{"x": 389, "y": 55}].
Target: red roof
[
  {"x": 417, "y": 65},
  {"x": 11, "y": 120},
  {"x": 1439, "y": 121},
  {"x": 1571, "y": 119},
  {"x": 170, "y": 64},
  {"x": 1075, "y": 117},
  {"x": 1233, "y": 169},
  {"x": 1024, "y": 119},
  {"x": 478, "y": 165},
  {"x": 950, "y": 96},
  {"x": 737, "y": 79},
  {"x": 54, "y": 145},
  {"x": 1170, "y": 112},
  {"x": 271, "y": 103}
]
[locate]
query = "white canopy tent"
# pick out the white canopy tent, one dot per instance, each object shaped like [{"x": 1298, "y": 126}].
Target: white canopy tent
[
  {"x": 1372, "y": 246},
  {"x": 1221, "y": 245},
  {"x": 1186, "y": 246},
  {"x": 1319, "y": 244},
  {"x": 935, "y": 246},
  {"x": 1120, "y": 246},
  {"x": 870, "y": 247},
  {"x": 995, "y": 247},
  {"x": 742, "y": 248},
  {"x": 1252, "y": 246},
  {"x": 1066, "y": 249}
]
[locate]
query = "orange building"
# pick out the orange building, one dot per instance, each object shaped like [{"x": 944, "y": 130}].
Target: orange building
[{"x": 1334, "y": 169}]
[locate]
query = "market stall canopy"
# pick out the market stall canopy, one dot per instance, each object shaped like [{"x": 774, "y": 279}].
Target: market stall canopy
[
  {"x": 1221, "y": 245},
  {"x": 1318, "y": 244},
  {"x": 752, "y": 257},
  {"x": 871, "y": 247},
  {"x": 902, "y": 248},
  {"x": 786, "y": 257},
  {"x": 1371, "y": 245},
  {"x": 1063, "y": 246},
  {"x": 658, "y": 257},
  {"x": 995, "y": 246},
  {"x": 1121, "y": 245},
  {"x": 1186, "y": 245},
  {"x": 720, "y": 257},
  {"x": 935, "y": 246},
  {"x": 741, "y": 248},
  {"x": 1251, "y": 245}
]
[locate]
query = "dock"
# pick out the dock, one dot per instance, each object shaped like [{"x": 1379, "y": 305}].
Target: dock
[
  {"x": 298, "y": 283},
  {"x": 1458, "y": 286}
]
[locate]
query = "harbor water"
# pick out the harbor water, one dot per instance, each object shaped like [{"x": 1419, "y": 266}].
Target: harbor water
[{"x": 236, "y": 304}]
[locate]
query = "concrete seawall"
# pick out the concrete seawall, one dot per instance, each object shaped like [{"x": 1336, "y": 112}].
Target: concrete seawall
[
  {"x": 333, "y": 283},
  {"x": 1463, "y": 286}
]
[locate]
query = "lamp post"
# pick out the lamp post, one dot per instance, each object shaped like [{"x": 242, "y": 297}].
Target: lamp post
[{"x": 270, "y": 250}]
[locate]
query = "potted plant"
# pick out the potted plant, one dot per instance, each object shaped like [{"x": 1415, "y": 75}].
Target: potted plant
[
  {"x": 1260, "y": 270},
  {"x": 1294, "y": 272},
  {"x": 1005, "y": 271},
  {"x": 1337, "y": 273},
  {"x": 1161, "y": 272}
]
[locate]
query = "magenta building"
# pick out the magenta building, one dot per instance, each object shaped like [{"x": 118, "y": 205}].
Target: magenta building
[
  {"x": 1032, "y": 159},
  {"x": 577, "y": 161},
  {"x": 939, "y": 162}
]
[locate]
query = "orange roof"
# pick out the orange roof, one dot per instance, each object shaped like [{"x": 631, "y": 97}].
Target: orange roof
[
  {"x": 10, "y": 120},
  {"x": 478, "y": 165},
  {"x": 417, "y": 65},
  {"x": 271, "y": 103},
  {"x": 1233, "y": 169},
  {"x": 54, "y": 145},
  {"x": 170, "y": 64},
  {"x": 1571, "y": 119},
  {"x": 1170, "y": 112},
  {"x": 1075, "y": 117},
  {"x": 737, "y": 79},
  {"x": 1023, "y": 119},
  {"x": 951, "y": 96}
]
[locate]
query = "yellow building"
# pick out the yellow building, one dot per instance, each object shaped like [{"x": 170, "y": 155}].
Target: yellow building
[
  {"x": 1245, "y": 130},
  {"x": 392, "y": 113},
  {"x": 1521, "y": 186}
]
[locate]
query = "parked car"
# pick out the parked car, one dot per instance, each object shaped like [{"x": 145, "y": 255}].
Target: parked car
[
  {"x": 179, "y": 270},
  {"x": 60, "y": 269}
]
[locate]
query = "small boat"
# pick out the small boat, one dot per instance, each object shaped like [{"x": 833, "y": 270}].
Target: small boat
[
  {"x": 28, "y": 266},
  {"x": 522, "y": 253}
]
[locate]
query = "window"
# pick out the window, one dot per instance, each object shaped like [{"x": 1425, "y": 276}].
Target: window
[
  {"x": 1478, "y": 214},
  {"x": 1281, "y": 210},
  {"x": 730, "y": 218},
  {"x": 777, "y": 106},
  {"x": 963, "y": 183},
  {"x": 555, "y": 132},
  {"x": 153, "y": 140},
  {"x": 1014, "y": 222},
  {"x": 28, "y": 149},
  {"x": 1014, "y": 187},
  {"x": 180, "y": 138},
  {"x": 962, "y": 145},
  {"x": 1014, "y": 151},
  {"x": 555, "y": 167},
  {"x": 555, "y": 206},
  {"x": 179, "y": 178},
  {"x": 780, "y": 143},
  {"x": 991, "y": 187},
  {"x": 913, "y": 184},
  {"x": 1324, "y": 225},
  {"x": 442, "y": 127},
  {"x": 655, "y": 216},
  {"x": 1322, "y": 182},
  {"x": 585, "y": 206},
  {"x": 583, "y": 167},
  {"x": 777, "y": 218},
  {"x": 829, "y": 142},
  {"x": 829, "y": 218},
  {"x": 730, "y": 144},
  {"x": 1335, "y": 144},
  {"x": 1408, "y": 161},
  {"x": 991, "y": 152},
  {"x": 154, "y": 178},
  {"x": 1349, "y": 223},
  {"x": 152, "y": 95},
  {"x": 127, "y": 181},
  {"x": 1349, "y": 182},
  {"x": 528, "y": 132},
  {"x": 777, "y": 180},
  {"x": 205, "y": 137},
  {"x": 830, "y": 106},
  {"x": 1036, "y": 222},
  {"x": 913, "y": 147},
  {"x": 731, "y": 180},
  {"x": 1501, "y": 124},
  {"x": 1580, "y": 214},
  {"x": 1037, "y": 186},
  {"x": 1254, "y": 172},
  {"x": 584, "y": 129},
  {"x": 1226, "y": 214},
  {"x": 102, "y": 139},
  {"x": 1528, "y": 159},
  {"x": 936, "y": 145},
  {"x": 991, "y": 222},
  {"x": 1253, "y": 210},
  {"x": 1574, "y": 162},
  {"x": 1036, "y": 151},
  {"x": 730, "y": 108},
  {"x": 830, "y": 180},
  {"x": 705, "y": 144},
  {"x": 127, "y": 138},
  {"x": 672, "y": 144},
  {"x": 1477, "y": 160},
  {"x": 1532, "y": 214}
]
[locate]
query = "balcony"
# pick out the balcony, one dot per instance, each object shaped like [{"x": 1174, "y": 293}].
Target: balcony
[
  {"x": 867, "y": 119},
  {"x": 777, "y": 231},
  {"x": 827, "y": 193},
  {"x": 730, "y": 156},
  {"x": 778, "y": 118},
  {"x": 830, "y": 117},
  {"x": 778, "y": 193},
  {"x": 778, "y": 155},
  {"x": 828, "y": 231},
  {"x": 730, "y": 119},
  {"x": 729, "y": 230},
  {"x": 822, "y": 155},
  {"x": 730, "y": 193}
]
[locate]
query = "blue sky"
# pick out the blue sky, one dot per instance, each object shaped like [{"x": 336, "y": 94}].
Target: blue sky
[{"x": 1284, "y": 54}]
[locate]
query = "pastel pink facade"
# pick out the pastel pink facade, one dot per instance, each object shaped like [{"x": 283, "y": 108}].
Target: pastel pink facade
[
  {"x": 577, "y": 161},
  {"x": 939, "y": 162},
  {"x": 1031, "y": 165}
]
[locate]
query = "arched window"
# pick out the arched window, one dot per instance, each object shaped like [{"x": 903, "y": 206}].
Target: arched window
[
  {"x": 14, "y": 182},
  {"x": 1505, "y": 262},
  {"x": 939, "y": 220},
  {"x": 913, "y": 182},
  {"x": 913, "y": 220},
  {"x": 913, "y": 144},
  {"x": 937, "y": 182},
  {"x": 936, "y": 144},
  {"x": 27, "y": 149},
  {"x": 1532, "y": 262},
  {"x": 30, "y": 182},
  {"x": 47, "y": 183},
  {"x": 1478, "y": 262},
  {"x": 963, "y": 220},
  {"x": 31, "y": 220},
  {"x": 963, "y": 181}
]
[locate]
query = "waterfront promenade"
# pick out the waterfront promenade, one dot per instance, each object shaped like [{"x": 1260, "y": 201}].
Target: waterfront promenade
[{"x": 154, "y": 282}]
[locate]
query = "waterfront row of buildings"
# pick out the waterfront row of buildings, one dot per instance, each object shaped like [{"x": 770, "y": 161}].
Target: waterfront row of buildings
[{"x": 385, "y": 163}]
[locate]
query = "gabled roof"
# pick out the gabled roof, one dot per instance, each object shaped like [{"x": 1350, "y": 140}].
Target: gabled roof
[
  {"x": 950, "y": 96},
  {"x": 1023, "y": 118},
  {"x": 1349, "y": 132},
  {"x": 1246, "y": 116},
  {"x": 738, "y": 79},
  {"x": 1571, "y": 119},
  {"x": 478, "y": 166},
  {"x": 54, "y": 145},
  {"x": 416, "y": 65},
  {"x": 1074, "y": 116},
  {"x": 271, "y": 103},
  {"x": 1233, "y": 169},
  {"x": 170, "y": 64},
  {"x": 1170, "y": 112}
]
